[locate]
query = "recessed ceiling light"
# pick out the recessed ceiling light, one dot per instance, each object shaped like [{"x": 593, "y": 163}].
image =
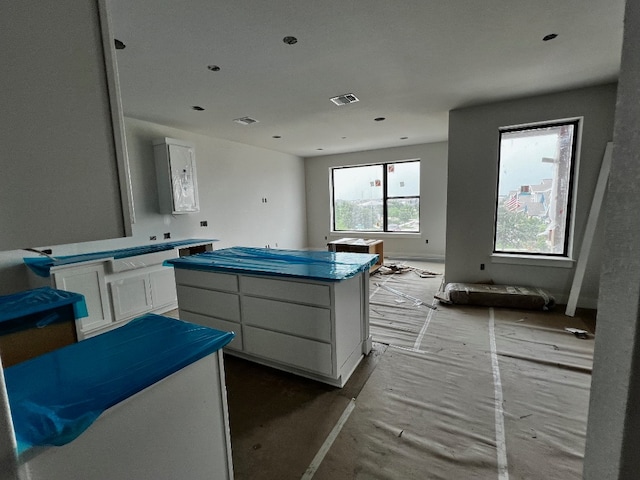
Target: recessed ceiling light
[
  {"x": 290, "y": 40},
  {"x": 379, "y": 119},
  {"x": 319, "y": 148},
  {"x": 213, "y": 68},
  {"x": 245, "y": 120},
  {"x": 276, "y": 136},
  {"x": 119, "y": 45},
  {"x": 404, "y": 138},
  {"x": 198, "y": 108},
  {"x": 551, "y": 36}
]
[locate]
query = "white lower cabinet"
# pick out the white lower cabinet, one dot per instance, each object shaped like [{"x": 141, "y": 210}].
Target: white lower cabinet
[
  {"x": 312, "y": 328},
  {"x": 163, "y": 288},
  {"x": 113, "y": 298},
  {"x": 130, "y": 297},
  {"x": 89, "y": 280},
  {"x": 134, "y": 295}
]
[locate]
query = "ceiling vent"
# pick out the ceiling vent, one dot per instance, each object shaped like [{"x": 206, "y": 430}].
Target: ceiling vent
[
  {"x": 245, "y": 120},
  {"x": 345, "y": 99}
]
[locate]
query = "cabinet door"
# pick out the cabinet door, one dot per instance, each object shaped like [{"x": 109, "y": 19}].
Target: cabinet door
[
  {"x": 131, "y": 297},
  {"x": 163, "y": 288},
  {"x": 182, "y": 169},
  {"x": 89, "y": 281}
]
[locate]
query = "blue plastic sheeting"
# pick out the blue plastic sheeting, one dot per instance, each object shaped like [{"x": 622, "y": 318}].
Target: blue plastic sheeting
[
  {"x": 57, "y": 396},
  {"x": 42, "y": 265},
  {"x": 40, "y": 300},
  {"x": 332, "y": 266}
]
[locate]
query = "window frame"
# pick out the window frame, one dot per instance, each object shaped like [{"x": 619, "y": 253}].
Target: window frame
[
  {"x": 567, "y": 250},
  {"x": 385, "y": 198}
]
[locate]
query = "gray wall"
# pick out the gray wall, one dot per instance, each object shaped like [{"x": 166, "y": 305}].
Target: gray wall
[
  {"x": 473, "y": 154},
  {"x": 433, "y": 194},
  {"x": 60, "y": 180},
  {"x": 613, "y": 433}
]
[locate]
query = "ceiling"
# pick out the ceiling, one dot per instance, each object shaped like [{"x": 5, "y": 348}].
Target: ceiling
[{"x": 408, "y": 61}]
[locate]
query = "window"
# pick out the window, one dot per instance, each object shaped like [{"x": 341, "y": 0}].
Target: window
[
  {"x": 535, "y": 183},
  {"x": 377, "y": 198}
]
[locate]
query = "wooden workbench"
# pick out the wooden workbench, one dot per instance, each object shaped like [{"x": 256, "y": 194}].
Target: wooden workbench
[{"x": 359, "y": 245}]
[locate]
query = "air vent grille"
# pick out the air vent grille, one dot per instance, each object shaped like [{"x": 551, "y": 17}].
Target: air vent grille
[
  {"x": 345, "y": 99},
  {"x": 245, "y": 120}
]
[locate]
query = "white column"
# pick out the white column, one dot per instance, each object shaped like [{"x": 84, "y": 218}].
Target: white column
[{"x": 8, "y": 460}]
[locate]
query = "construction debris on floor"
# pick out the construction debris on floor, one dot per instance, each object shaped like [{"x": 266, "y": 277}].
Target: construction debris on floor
[{"x": 394, "y": 268}]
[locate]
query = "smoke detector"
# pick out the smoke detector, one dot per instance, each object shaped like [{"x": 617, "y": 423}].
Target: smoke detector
[
  {"x": 245, "y": 120},
  {"x": 345, "y": 99}
]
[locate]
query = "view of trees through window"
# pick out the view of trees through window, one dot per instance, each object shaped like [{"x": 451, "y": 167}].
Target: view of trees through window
[
  {"x": 377, "y": 198},
  {"x": 534, "y": 188}
]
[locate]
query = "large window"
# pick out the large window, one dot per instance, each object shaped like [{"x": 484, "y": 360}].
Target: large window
[
  {"x": 535, "y": 181},
  {"x": 377, "y": 198}
]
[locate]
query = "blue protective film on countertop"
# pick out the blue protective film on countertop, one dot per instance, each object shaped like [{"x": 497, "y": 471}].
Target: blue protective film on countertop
[
  {"x": 58, "y": 395},
  {"x": 42, "y": 265},
  {"x": 39, "y": 300},
  {"x": 317, "y": 265}
]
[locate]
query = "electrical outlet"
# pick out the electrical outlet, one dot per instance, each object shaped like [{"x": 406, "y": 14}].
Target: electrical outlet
[
  {"x": 204, "y": 223},
  {"x": 482, "y": 266}
]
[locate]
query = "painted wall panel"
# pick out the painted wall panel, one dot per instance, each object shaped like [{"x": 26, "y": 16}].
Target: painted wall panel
[
  {"x": 433, "y": 195},
  {"x": 472, "y": 177}
]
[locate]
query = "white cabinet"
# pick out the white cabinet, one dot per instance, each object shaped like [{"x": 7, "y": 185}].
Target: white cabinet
[
  {"x": 176, "y": 176},
  {"x": 87, "y": 279},
  {"x": 317, "y": 329},
  {"x": 163, "y": 288},
  {"x": 133, "y": 295},
  {"x": 114, "y": 298},
  {"x": 118, "y": 290},
  {"x": 130, "y": 297}
]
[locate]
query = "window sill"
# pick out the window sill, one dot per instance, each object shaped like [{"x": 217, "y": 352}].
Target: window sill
[
  {"x": 533, "y": 260},
  {"x": 338, "y": 235}
]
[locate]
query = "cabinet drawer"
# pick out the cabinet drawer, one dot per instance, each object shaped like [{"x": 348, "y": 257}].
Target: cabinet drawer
[
  {"x": 212, "y": 280},
  {"x": 218, "y": 324},
  {"x": 295, "y": 351},
  {"x": 295, "y": 291},
  {"x": 216, "y": 304},
  {"x": 312, "y": 322}
]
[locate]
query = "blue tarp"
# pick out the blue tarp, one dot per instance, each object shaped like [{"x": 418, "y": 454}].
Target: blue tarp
[
  {"x": 40, "y": 300},
  {"x": 42, "y": 265},
  {"x": 57, "y": 396},
  {"x": 318, "y": 265}
]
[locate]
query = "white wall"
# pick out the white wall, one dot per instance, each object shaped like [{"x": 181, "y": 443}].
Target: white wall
[
  {"x": 433, "y": 194},
  {"x": 473, "y": 154},
  {"x": 232, "y": 179}
]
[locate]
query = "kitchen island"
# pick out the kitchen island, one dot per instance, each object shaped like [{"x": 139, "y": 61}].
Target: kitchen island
[
  {"x": 304, "y": 312},
  {"x": 145, "y": 401}
]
